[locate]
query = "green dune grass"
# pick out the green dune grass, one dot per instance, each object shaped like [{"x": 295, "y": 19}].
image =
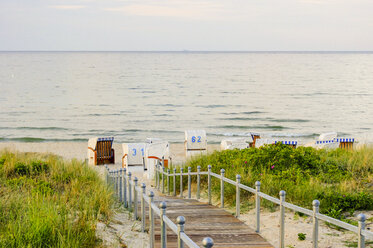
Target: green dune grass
[
  {"x": 341, "y": 180},
  {"x": 48, "y": 202}
]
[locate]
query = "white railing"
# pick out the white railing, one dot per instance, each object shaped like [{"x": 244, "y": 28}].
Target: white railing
[
  {"x": 360, "y": 230},
  {"x": 127, "y": 191}
]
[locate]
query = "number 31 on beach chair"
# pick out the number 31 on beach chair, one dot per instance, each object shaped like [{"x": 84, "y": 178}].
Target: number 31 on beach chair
[{"x": 133, "y": 154}]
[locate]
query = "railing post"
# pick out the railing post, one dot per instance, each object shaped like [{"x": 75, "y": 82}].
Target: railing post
[
  {"x": 198, "y": 181},
  {"x": 189, "y": 183},
  {"x": 151, "y": 220},
  {"x": 156, "y": 175},
  {"x": 158, "y": 170},
  {"x": 117, "y": 182},
  {"x": 120, "y": 185},
  {"x": 180, "y": 221},
  {"x": 107, "y": 174},
  {"x": 222, "y": 172},
  {"x": 129, "y": 191},
  {"x": 257, "y": 206},
  {"x": 282, "y": 219},
  {"x": 181, "y": 182},
  {"x": 207, "y": 242},
  {"x": 238, "y": 202},
  {"x": 162, "y": 170},
  {"x": 143, "y": 188},
  {"x": 110, "y": 179},
  {"x": 168, "y": 181},
  {"x": 174, "y": 185},
  {"x": 135, "y": 198},
  {"x": 315, "y": 231},
  {"x": 125, "y": 187},
  {"x": 162, "y": 207},
  {"x": 361, "y": 241},
  {"x": 209, "y": 183}
]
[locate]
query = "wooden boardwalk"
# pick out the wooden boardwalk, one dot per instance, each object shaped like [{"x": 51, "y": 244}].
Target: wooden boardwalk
[{"x": 204, "y": 220}]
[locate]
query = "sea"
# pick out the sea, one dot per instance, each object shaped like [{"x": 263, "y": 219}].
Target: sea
[{"x": 72, "y": 96}]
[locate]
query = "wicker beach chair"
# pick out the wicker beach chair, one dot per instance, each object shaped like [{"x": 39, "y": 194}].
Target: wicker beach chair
[
  {"x": 346, "y": 143},
  {"x": 254, "y": 136},
  {"x": 100, "y": 151},
  {"x": 292, "y": 143}
]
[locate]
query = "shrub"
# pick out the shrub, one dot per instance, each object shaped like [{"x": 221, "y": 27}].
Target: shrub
[
  {"x": 301, "y": 236},
  {"x": 335, "y": 177}
]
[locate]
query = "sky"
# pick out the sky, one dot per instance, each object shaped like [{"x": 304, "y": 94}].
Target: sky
[{"x": 195, "y": 25}]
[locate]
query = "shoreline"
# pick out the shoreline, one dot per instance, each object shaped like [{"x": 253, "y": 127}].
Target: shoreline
[{"x": 78, "y": 150}]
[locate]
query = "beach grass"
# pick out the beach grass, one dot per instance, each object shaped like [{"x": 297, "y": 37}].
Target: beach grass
[
  {"x": 46, "y": 201},
  {"x": 340, "y": 179}
]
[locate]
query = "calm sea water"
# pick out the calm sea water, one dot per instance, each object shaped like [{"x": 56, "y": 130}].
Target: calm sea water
[{"x": 71, "y": 96}]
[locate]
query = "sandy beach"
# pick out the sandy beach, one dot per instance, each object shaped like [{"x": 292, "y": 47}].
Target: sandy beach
[{"x": 78, "y": 150}]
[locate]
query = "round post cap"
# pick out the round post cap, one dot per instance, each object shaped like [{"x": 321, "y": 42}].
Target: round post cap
[
  {"x": 129, "y": 173},
  {"x": 361, "y": 217},
  {"x": 135, "y": 179},
  {"x": 209, "y": 166},
  {"x": 257, "y": 183},
  {"x": 143, "y": 185},
  {"x": 207, "y": 242},
  {"x": 151, "y": 194},
  {"x": 282, "y": 193},
  {"x": 163, "y": 205},
  {"x": 189, "y": 168},
  {"x": 180, "y": 220},
  {"x": 198, "y": 167},
  {"x": 238, "y": 176},
  {"x": 222, "y": 171},
  {"x": 315, "y": 203}
]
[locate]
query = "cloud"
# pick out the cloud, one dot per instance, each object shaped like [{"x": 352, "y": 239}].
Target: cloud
[
  {"x": 179, "y": 9},
  {"x": 67, "y": 7}
]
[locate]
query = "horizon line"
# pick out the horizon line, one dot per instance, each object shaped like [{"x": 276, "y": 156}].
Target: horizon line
[{"x": 201, "y": 51}]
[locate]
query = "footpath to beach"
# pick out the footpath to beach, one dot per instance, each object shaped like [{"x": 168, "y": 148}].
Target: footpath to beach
[{"x": 204, "y": 220}]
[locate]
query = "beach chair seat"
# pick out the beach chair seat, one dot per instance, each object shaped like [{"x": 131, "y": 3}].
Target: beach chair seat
[
  {"x": 235, "y": 143},
  {"x": 292, "y": 143},
  {"x": 254, "y": 137},
  {"x": 261, "y": 142},
  {"x": 100, "y": 151},
  {"x": 346, "y": 143},
  {"x": 327, "y": 144}
]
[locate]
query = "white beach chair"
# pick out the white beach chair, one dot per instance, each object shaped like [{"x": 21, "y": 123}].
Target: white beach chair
[
  {"x": 236, "y": 143},
  {"x": 133, "y": 154},
  {"x": 156, "y": 150},
  {"x": 195, "y": 142}
]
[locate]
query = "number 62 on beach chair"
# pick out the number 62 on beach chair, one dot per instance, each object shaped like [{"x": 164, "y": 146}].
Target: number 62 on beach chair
[{"x": 100, "y": 151}]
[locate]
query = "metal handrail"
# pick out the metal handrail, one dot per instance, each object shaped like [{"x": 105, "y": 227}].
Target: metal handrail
[
  {"x": 360, "y": 229},
  {"x": 122, "y": 182}
]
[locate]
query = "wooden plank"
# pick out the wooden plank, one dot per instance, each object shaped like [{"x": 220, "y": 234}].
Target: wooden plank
[{"x": 204, "y": 220}]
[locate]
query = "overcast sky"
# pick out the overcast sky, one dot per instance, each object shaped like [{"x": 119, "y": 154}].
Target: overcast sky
[{"x": 169, "y": 25}]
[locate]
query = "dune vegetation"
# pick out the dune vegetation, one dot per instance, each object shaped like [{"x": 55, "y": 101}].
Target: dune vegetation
[
  {"x": 341, "y": 180},
  {"x": 48, "y": 202}
]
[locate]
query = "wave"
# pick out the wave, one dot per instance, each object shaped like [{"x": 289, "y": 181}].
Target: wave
[
  {"x": 272, "y": 127},
  {"x": 36, "y": 128},
  {"x": 289, "y": 135},
  {"x": 36, "y": 139}
]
